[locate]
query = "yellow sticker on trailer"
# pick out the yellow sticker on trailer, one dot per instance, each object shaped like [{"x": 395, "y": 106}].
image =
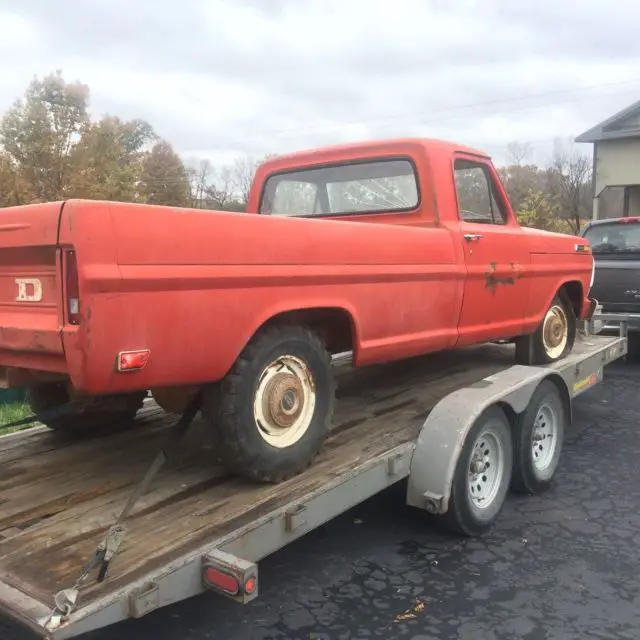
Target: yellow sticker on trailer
[{"x": 585, "y": 383}]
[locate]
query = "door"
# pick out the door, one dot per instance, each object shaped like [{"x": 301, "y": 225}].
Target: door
[{"x": 496, "y": 255}]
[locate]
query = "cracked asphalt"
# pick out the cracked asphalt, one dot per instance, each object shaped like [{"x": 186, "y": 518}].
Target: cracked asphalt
[{"x": 562, "y": 566}]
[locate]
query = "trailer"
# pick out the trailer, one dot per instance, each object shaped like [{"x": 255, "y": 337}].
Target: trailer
[{"x": 71, "y": 560}]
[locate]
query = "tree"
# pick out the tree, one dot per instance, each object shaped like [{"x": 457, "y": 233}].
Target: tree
[
  {"x": 243, "y": 170},
  {"x": 222, "y": 193},
  {"x": 164, "y": 179},
  {"x": 199, "y": 173},
  {"x": 39, "y": 132},
  {"x": 538, "y": 210},
  {"x": 211, "y": 188},
  {"x": 570, "y": 182},
  {"x": 518, "y": 152},
  {"x": 520, "y": 180},
  {"x": 13, "y": 190},
  {"x": 107, "y": 161}
]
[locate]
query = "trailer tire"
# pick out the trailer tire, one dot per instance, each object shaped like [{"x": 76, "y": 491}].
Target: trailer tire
[
  {"x": 272, "y": 412},
  {"x": 92, "y": 414},
  {"x": 488, "y": 447},
  {"x": 554, "y": 337},
  {"x": 544, "y": 419}
]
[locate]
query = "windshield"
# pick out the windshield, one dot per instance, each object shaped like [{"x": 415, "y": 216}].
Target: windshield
[{"x": 614, "y": 238}]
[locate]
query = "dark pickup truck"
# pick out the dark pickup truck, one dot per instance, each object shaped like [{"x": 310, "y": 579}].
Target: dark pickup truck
[{"x": 616, "y": 249}]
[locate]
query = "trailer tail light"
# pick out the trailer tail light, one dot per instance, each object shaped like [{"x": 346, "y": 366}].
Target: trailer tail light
[
  {"x": 133, "y": 360},
  {"x": 72, "y": 287},
  {"x": 230, "y": 576},
  {"x": 250, "y": 585},
  {"x": 222, "y": 581}
]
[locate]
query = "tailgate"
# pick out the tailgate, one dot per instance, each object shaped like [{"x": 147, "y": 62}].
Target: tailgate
[
  {"x": 617, "y": 285},
  {"x": 30, "y": 300}
]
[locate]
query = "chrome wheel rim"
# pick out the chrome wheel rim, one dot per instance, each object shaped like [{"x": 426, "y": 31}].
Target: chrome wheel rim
[
  {"x": 544, "y": 439},
  {"x": 486, "y": 469}
]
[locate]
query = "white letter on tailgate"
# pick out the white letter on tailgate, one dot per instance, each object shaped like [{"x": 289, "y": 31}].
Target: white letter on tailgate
[{"x": 23, "y": 292}]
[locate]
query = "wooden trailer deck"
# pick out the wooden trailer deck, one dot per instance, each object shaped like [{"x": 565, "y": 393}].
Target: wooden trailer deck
[{"x": 58, "y": 495}]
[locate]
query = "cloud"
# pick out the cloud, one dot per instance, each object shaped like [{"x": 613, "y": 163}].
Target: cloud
[{"x": 225, "y": 77}]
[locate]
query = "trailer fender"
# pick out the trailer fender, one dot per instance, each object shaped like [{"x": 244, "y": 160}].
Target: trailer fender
[{"x": 443, "y": 433}]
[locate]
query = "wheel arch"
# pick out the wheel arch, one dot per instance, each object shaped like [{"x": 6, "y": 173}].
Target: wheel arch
[
  {"x": 336, "y": 324},
  {"x": 572, "y": 292},
  {"x": 445, "y": 429}
]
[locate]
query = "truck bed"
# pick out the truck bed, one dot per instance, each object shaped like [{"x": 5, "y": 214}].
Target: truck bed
[{"x": 58, "y": 495}]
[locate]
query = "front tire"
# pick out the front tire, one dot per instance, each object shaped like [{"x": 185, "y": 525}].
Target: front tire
[
  {"x": 482, "y": 475},
  {"x": 272, "y": 412},
  {"x": 554, "y": 337}
]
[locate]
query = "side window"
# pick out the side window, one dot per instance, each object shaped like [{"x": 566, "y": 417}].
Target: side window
[{"x": 477, "y": 198}]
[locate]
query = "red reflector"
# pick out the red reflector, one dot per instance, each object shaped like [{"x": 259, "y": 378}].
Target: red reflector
[
  {"x": 133, "y": 360},
  {"x": 250, "y": 585},
  {"x": 628, "y": 220},
  {"x": 223, "y": 581}
]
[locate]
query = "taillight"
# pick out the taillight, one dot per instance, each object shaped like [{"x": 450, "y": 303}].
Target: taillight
[{"x": 72, "y": 287}]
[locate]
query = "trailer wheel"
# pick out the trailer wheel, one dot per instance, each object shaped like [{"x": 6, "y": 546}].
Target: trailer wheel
[
  {"x": 482, "y": 475},
  {"x": 538, "y": 440},
  {"x": 272, "y": 412},
  {"x": 554, "y": 337},
  {"x": 93, "y": 413}
]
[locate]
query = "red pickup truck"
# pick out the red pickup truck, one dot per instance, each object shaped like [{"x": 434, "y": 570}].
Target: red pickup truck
[{"x": 386, "y": 249}]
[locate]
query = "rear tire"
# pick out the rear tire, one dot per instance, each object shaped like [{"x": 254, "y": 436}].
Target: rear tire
[
  {"x": 272, "y": 412},
  {"x": 554, "y": 337},
  {"x": 538, "y": 440},
  {"x": 483, "y": 472},
  {"x": 93, "y": 413}
]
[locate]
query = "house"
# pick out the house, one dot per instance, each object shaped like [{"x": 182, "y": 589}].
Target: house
[{"x": 616, "y": 163}]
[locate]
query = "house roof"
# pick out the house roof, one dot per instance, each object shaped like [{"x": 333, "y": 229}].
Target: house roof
[{"x": 615, "y": 127}]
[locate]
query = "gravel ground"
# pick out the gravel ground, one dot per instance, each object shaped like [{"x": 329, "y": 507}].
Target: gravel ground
[{"x": 560, "y": 566}]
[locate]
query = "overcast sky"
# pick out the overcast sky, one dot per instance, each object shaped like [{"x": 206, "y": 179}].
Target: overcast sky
[{"x": 220, "y": 78}]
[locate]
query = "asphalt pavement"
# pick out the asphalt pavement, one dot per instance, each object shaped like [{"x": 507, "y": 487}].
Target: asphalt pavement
[{"x": 561, "y": 566}]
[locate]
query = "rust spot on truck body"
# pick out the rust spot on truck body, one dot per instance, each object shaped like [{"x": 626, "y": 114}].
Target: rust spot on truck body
[{"x": 492, "y": 280}]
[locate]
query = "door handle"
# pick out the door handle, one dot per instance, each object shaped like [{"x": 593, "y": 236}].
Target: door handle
[{"x": 469, "y": 237}]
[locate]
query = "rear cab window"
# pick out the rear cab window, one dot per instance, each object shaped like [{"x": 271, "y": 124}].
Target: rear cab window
[
  {"x": 354, "y": 188},
  {"x": 478, "y": 199},
  {"x": 616, "y": 238}
]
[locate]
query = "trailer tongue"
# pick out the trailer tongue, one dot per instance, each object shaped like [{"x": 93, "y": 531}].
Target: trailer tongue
[{"x": 196, "y": 528}]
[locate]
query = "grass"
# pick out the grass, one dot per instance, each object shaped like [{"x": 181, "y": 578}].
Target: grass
[{"x": 11, "y": 412}]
